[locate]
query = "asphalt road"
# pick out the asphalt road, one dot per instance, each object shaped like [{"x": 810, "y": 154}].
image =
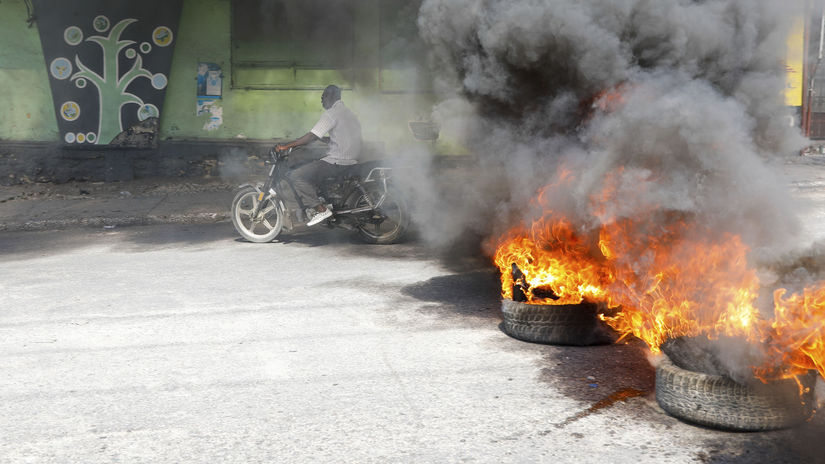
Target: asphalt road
[{"x": 184, "y": 344}]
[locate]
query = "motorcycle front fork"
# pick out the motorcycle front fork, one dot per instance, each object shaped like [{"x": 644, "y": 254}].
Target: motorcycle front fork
[{"x": 265, "y": 192}]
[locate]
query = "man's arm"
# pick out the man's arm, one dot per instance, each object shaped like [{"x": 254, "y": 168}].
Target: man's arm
[{"x": 305, "y": 139}]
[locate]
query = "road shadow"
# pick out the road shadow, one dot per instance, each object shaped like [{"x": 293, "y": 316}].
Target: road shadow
[
  {"x": 461, "y": 257},
  {"x": 348, "y": 243},
  {"x": 803, "y": 444},
  {"x": 593, "y": 373},
  {"x": 174, "y": 235},
  {"x": 21, "y": 245},
  {"x": 606, "y": 375},
  {"x": 138, "y": 239},
  {"x": 471, "y": 293}
]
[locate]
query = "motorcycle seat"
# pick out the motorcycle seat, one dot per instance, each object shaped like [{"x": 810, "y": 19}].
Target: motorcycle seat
[
  {"x": 358, "y": 170},
  {"x": 362, "y": 169}
]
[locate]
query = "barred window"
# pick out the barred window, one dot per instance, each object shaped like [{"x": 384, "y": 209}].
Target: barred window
[{"x": 292, "y": 44}]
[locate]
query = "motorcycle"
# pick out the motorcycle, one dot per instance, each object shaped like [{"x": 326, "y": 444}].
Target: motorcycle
[{"x": 361, "y": 199}]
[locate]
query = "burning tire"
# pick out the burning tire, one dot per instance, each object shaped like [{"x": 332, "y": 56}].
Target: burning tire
[
  {"x": 719, "y": 402},
  {"x": 572, "y": 324}
]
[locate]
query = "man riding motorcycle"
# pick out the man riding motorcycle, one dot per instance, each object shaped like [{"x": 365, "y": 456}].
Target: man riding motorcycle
[{"x": 344, "y": 142}]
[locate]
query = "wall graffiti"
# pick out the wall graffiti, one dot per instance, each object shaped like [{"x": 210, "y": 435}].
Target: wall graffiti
[{"x": 108, "y": 64}]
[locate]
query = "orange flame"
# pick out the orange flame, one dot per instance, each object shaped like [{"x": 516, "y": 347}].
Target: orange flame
[
  {"x": 670, "y": 286},
  {"x": 554, "y": 257},
  {"x": 671, "y": 277},
  {"x": 544, "y": 255},
  {"x": 796, "y": 337}
]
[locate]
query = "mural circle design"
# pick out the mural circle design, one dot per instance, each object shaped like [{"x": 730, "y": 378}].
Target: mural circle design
[
  {"x": 61, "y": 68},
  {"x": 69, "y": 137},
  {"x": 70, "y": 111},
  {"x": 148, "y": 111},
  {"x": 145, "y": 47},
  {"x": 80, "y": 83},
  {"x": 73, "y": 35},
  {"x": 159, "y": 81},
  {"x": 101, "y": 23},
  {"x": 131, "y": 53},
  {"x": 91, "y": 137},
  {"x": 162, "y": 36},
  {"x": 81, "y": 138}
]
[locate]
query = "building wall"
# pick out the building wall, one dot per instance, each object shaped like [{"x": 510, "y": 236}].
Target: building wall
[
  {"x": 204, "y": 36},
  {"x": 26, "y": 101},
  {"x": 256, "y": 116}
]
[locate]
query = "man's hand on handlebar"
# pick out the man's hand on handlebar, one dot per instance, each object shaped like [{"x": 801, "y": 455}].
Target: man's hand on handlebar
[{"x": 282, "y": 147}]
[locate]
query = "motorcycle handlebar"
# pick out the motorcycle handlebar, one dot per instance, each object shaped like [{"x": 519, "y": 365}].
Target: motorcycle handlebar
[{"x": 275, "y": 153}]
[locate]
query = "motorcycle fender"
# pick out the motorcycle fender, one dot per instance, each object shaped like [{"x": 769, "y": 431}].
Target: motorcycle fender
[{"x": 257, "y": 188}]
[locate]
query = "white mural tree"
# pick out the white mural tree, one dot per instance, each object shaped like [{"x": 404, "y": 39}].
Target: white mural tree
[{"x": 112, "y": 84}]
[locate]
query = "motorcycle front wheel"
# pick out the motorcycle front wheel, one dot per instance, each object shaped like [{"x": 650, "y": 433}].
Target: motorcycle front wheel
[
  {"x": 385, "y": 225},
  {"x": 262, "y": 227}
]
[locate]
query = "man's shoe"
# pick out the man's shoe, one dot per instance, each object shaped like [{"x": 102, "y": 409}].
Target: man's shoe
[{"x": 319, "y": 217}]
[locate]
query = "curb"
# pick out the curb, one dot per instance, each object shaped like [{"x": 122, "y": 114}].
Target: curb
[{"x": 112, "y": 222}]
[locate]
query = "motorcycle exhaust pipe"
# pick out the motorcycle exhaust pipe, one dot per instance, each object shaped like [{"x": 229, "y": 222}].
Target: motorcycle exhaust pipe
[{"x": 364, "y": 209}]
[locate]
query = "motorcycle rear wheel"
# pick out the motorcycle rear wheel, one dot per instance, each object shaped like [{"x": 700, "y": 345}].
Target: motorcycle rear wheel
[
  {"x": 387, "y": 224},
  {"x": 261, "y": 228}
]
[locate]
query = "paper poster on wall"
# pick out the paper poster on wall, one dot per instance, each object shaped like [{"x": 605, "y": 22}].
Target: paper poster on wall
[
  {"x": 210, "y": 84},
  {"x": 215, "y": 119},
  {"x": 210, "y": 80},
  {"x": 211, "y": 108}
]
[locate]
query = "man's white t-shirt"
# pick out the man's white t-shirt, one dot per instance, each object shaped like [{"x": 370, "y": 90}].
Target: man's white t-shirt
[{"x": 344, "y": 134}]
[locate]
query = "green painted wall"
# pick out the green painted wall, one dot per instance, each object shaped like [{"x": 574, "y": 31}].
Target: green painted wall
[
  {"x": 204, "y": 36},
  {"x": 26, "y": 111}
]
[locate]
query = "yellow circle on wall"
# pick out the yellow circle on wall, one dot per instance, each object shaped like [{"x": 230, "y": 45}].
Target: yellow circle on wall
[
  {"x": 162, "y": 36},
  {"x": 70, "y": 111}
]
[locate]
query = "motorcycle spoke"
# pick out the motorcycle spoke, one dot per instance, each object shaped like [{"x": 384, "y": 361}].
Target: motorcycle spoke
[
  {"x": 245, "y": 212},
  {"x": 266, "y": 210},
  {"x": 266, "y": 224}
]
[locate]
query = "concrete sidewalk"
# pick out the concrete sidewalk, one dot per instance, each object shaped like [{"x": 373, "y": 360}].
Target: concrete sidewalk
[
  {"x": 43, "y": 206},
  {"x": 99, "y": 204}
]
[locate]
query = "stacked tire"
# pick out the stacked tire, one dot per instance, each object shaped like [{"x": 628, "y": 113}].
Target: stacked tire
[
  {"x": 719, "y": 402},
  {"x": 572, "y": 324},
  {"x": 689, "y": 385}
]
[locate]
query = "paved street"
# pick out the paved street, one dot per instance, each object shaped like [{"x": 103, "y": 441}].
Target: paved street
[
  {"x": 661, "y": 162},
  {"x": 181, "y": 343}
]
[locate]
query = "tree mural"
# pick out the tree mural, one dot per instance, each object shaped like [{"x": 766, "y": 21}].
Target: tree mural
[
  {"x": 112, "y": 85},
  {"x": 107, "y": 75}
]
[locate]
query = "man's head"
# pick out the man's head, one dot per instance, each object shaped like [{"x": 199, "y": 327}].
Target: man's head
[{"x": 331, "y": 95}]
